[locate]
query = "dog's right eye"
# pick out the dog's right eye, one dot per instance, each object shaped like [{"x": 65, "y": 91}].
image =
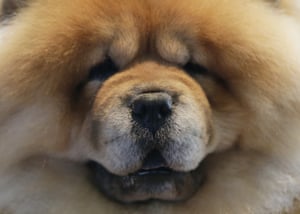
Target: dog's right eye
[
  {"x": 103, "y": 70},
  {"x": 194, "y": 69}
]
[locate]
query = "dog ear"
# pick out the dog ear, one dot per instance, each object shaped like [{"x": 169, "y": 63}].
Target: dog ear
[{"x": 10, "y": 7}]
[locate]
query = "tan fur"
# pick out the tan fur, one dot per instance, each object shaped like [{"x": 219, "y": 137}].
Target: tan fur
[{"x": 48, "y": 48}]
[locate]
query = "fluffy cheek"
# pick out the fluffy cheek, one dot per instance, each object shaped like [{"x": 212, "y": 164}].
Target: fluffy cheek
[
  {"x": 228, "y": 114},
  {"x": 190, "y": 134},
  {"x": 116, "y": 145}
]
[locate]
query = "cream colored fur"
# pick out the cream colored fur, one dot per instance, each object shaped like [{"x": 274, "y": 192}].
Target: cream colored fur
[{"x": 260, "y": 176}]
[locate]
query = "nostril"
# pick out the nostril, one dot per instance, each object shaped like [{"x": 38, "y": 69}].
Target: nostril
[
  {"x": 165, "y": 108},
  {"x": 139, "y": 108}
]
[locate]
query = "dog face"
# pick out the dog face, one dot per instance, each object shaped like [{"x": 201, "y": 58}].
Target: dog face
[
  {"x": 143, "y": 91},
  {"x": 151, "y": 132},
  {"x": 150, "y": 121}
]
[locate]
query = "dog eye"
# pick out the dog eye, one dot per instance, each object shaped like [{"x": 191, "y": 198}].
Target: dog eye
[
  {"x": 194, "y": 69},
  {"x": 103, "y": 70}
]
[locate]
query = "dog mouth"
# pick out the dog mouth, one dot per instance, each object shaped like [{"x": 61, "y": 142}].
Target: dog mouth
[
  {"x": 153, "y": 164},
  {"x": 154, "y": 171},
  {"x": 155, "y": 180}
]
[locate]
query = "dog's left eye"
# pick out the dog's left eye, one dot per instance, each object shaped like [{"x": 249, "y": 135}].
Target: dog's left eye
[
  {"x": 194, "y": 69},
  {"x": 103, "y": 70}
]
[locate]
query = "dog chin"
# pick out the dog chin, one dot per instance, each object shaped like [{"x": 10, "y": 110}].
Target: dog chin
[{"x": 161, "y": 183}]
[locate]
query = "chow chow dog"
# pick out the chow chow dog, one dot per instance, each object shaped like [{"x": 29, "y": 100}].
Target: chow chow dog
[{"x": 145, "y": 106}]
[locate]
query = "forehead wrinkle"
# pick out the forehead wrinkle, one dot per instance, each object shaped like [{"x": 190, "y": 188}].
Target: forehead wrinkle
[
  {"x": 135, "y": 32},
  {"x": 126, "y": 42},
  {"x": 172, "y": 49}
]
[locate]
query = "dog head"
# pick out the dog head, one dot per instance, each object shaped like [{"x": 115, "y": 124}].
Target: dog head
[{"x": 143, "y": 91}]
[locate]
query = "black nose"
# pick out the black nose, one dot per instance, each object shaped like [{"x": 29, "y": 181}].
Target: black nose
[{"x": 151, "y": 110}]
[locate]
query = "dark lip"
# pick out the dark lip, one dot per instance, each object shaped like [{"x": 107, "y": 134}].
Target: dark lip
[
  {"x": 143, "y": 171},
  {"x": 153, "y": 171},
  {"x": 157, "y": 172},
  {"x": 145, "y": 181}
]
